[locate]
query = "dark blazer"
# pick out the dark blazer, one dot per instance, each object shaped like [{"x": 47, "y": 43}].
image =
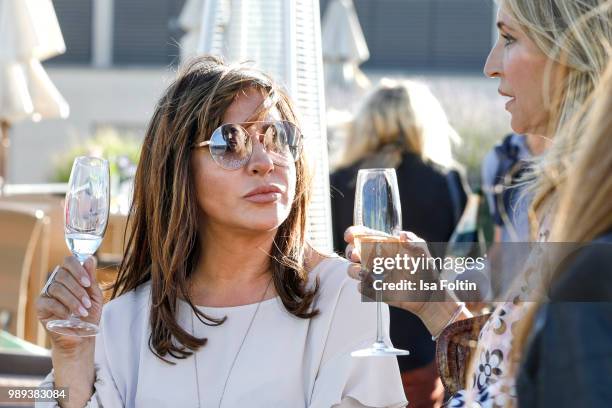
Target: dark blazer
[
  {"x": 428, "y": 211},
  {"x": 568, "y": 359}
]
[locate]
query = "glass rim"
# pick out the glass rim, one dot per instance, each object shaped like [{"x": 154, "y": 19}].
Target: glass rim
[
  {"x": 377, "y": 170},
  {"x": 90, "y": 159}
]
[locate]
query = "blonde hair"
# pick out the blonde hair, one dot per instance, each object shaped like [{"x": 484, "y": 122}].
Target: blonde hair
[
  {"x": 405, "y": 116},
  {"x": 584, "y": 207},
  {"x": 576, "y": 35},
  {"x": 585, "y": 201}
]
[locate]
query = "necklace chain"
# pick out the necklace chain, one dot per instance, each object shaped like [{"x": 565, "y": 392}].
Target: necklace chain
[{"x": 246, "y": 333}]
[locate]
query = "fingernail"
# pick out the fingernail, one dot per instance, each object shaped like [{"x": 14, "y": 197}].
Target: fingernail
[
  {"x": 85, "y": 281},
  {"x": 82, "y": 311},
  {"x": 86, "y": 302}
]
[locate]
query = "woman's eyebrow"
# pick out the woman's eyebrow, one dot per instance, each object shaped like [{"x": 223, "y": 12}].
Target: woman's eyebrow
[{"x": 503, "y": 26}]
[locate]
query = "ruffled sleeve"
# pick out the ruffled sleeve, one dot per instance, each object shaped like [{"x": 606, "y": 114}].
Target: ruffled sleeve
[{"x": 346, "y": 381}]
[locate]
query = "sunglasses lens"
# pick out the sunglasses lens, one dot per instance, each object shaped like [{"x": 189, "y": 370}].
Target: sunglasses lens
[
  {"x": 283, "y": 141},
  {"x": 231, "y": 146}
]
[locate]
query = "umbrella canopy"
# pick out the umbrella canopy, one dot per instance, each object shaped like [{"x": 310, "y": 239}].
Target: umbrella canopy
[
  {"x": 190, "y": 21},
  {"x": 29, "y": 34},
  {"x": 344, "y": 49},
  {"x": 342, "y": 38}
]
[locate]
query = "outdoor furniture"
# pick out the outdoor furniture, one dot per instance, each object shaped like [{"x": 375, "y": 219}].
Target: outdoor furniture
[
  {"x": 51, "y": 251},
  {"x": 454, "y": 349},
  {"x": 22, "y": 364},
  {"x": 23, "y": 241}
]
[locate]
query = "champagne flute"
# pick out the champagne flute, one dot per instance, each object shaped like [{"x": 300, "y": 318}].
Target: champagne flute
[
  {"x": 85, "y": 219},
  {"x": 377, "y": 206}
]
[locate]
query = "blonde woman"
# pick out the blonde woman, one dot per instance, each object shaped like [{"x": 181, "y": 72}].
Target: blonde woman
[
  {"x": 220, "y": 301},
  {"x": 404, "y": 113},
  {"x": 549, "y": 57},
  {"x": 402, "y": 125},
  {"x": 568, "y": 357}
]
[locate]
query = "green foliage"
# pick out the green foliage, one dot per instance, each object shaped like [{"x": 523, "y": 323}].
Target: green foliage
[{"x": 106, "y": 143}]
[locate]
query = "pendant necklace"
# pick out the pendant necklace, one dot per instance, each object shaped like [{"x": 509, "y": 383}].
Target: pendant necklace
[{"x": 237, "y": 353}]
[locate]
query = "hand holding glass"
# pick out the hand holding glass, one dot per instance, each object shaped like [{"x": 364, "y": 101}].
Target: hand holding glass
[{"x": 85, "y": 219}]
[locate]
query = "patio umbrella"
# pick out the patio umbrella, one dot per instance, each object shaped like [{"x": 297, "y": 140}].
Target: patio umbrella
[
  {"x": 29, "y": 34},
  {"x": 190, "y": 21},
  {"x": 344, "y": 48}
]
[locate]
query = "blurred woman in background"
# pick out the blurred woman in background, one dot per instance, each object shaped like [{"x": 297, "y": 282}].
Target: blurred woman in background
[{"x": 402, "y": 125}]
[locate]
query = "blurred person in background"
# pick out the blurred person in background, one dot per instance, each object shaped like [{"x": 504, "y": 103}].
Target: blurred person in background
[
  {"x": 219, "y": 299},
  {"x": 402, "y": 125},
  {"x": 504, "y": 170},
  {"x": 549, "y": 57}
]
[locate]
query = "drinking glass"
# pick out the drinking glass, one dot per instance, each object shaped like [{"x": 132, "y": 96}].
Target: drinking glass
[
  {"x": 85, "y": 219},
  {"x": 377, "y": 206}
]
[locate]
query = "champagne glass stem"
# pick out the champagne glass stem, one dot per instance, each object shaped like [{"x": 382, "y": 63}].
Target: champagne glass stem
[{"x": 379, "y": 329}]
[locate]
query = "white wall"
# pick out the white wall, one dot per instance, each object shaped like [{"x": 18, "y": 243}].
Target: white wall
[{"x": 96, "y": 96}]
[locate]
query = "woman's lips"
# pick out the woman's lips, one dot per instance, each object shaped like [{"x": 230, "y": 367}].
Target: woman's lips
[
  {"x": 264, "y": 194},
  {"x": 502, "y": 93},
  {"x": 263, "y": 197}
]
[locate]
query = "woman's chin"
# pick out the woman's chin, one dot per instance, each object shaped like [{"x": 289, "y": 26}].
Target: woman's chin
[
  {"x": 263, "y": 227},
  {"x": 264, "y": 224},
  {"x": 518, "y": 126}
]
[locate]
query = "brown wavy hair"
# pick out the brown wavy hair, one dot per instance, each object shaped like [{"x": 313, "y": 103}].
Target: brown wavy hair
[{"x": 163, "y": 242}]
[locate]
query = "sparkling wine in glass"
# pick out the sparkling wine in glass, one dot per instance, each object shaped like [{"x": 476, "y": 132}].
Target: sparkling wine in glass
[
  {"x": 377, "y": 206},
  {"x": 85, "y": 219}
]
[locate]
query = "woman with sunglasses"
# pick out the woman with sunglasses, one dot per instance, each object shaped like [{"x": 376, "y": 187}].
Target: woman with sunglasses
[{"x": 220, "y": 300}]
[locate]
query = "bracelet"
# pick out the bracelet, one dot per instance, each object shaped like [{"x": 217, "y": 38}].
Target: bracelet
[{"x": 454, "y": 317}]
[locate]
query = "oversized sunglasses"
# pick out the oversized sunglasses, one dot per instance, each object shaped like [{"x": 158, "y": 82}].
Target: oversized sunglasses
[{"x": 231, "y": 146}]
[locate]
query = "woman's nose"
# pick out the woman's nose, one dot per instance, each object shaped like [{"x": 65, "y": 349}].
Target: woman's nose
[
  {"x": 493, "y": 66},
  {"x": 260, "y": 162}
]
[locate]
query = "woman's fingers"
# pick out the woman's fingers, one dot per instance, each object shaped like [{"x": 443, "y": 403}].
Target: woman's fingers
[
  {"x": 50, "y": 308},
  {"x": 410, "y": 237},
  {"x": 69, "y": 281},
  {"x": 356, "y": 230},
  {"x": 94, "y": 290},
  {"x": 354, "y": 271},
  {"x": 352, "y": 254},
  {"x": 77, "y": 270},
  {"x": 61, "y": 293}
]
